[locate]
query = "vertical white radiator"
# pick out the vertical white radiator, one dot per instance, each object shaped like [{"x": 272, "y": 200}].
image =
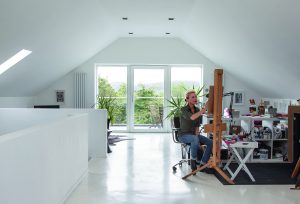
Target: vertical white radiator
[{"x": 80, "y": 90}]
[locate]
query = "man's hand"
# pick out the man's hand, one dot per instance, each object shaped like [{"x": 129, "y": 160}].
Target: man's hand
[{"x": 205, "y": 105}]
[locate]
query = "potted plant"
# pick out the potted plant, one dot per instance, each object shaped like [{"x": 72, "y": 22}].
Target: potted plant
[
  {"x": 108, "y": 103},
  {"x": 175, "y": 104}
]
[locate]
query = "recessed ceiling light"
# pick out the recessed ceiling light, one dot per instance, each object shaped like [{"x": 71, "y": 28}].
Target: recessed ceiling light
[
  {"x": 168, "y": 33},
  {"x": 130, "y": 33},
  {"x": 13, "y": 60},
  {"x": 124, "y": 18},
  {"x": 171, "y": 19}
]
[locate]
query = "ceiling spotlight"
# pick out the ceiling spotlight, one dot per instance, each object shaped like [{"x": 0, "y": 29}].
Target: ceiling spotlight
[
  {"x": 130, "y": 33},
  {"x": 168, "y": 33},
  {"x": 124, "y": 18},
  {"x": 171, "y": 19}
]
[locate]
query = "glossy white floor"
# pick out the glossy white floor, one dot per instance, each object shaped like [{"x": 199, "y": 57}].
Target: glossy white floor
[{"x": 139, "y": 171}]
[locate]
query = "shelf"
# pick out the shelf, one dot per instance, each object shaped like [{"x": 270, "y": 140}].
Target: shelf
[
  {"x": 277, "y": 160},
  {"x": 263, "y": 140},
  {"x": 266, "y": 118},
  {"x": 249, "y": 122}
]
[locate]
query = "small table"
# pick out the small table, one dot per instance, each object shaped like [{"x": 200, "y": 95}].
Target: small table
[{"x": 241, "y": 161}]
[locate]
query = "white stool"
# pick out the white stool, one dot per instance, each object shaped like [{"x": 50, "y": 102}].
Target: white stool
[{"x": 242, "y": 162}]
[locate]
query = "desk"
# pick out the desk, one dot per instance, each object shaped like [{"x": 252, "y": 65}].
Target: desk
[{"x": 241, "y": 161}]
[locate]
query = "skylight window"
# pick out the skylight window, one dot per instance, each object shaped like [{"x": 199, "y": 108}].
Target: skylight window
[{"x": 13, "y": 60}]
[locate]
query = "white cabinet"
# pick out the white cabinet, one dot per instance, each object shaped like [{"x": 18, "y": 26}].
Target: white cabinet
[{"x": 270, "y": 133}]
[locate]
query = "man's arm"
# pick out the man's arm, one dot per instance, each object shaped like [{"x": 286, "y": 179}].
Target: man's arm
[{"x": 198, "y": 114}]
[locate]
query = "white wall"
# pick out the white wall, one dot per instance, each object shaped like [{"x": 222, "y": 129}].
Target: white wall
[
  {"x": 231, "y": 84},
  {"x": 44, "y": 163},
  {"x": 16, "y": 102},
  {"x": 127, "y": 51},
  {"x": 140, "y": 51},
  {"x": 48, "y": 97},
  {"x": 281, "y": 104}
]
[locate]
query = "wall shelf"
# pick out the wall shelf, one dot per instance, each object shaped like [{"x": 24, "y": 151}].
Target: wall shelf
[{"x": 267, "y": 140}]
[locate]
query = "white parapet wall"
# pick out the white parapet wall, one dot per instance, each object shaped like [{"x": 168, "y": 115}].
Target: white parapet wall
[
  {"x": 43, "y": 162},
  {"x": 13, "y": 119}
]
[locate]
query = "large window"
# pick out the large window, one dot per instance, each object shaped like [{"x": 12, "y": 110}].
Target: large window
[
  {"x": 185, "y": 78},
  {"x": 139, "y": 93}
]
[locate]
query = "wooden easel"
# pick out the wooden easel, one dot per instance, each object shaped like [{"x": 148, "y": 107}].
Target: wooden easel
[
  {"x": 217, "y": 127},
  {"x": 294, "y": 175}
]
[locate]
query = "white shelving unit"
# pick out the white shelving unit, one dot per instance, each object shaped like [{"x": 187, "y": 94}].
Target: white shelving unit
[{"x": 277, "y": 147}]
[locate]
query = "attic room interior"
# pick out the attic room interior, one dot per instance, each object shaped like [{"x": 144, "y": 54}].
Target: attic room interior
[{"x": 90, "y": 92}]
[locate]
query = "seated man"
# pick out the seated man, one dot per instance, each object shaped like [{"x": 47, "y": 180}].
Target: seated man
[{"x": 189, "y": 129}]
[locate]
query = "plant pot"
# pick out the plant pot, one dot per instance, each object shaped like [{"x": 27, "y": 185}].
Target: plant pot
[
  {"x": 176, "y": 121},
  {"x": 108, "y": 122}
]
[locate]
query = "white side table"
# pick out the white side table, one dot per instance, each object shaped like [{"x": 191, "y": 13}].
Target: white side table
[{"x": 241, "y": 161}]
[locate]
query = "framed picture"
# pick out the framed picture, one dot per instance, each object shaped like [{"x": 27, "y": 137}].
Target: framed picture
[
  {"x": 238, "y": 98},
  {"x": 60, "y": 96}
]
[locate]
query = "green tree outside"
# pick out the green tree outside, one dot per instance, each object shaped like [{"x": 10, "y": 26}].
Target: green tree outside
[{"x": 146, "y": 99}]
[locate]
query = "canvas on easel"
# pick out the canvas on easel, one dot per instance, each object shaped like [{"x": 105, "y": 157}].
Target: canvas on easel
[{"x": 210, "y": 101}]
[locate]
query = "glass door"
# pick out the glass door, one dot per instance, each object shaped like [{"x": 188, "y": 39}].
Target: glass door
[
  {"x": 112, "y": 92},
  {"x": 148, "y": 92}
]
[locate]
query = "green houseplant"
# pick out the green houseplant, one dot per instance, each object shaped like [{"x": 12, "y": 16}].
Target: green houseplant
[
  {"x": 175, "y": 104},
  {"x": 108, "y": 103}
]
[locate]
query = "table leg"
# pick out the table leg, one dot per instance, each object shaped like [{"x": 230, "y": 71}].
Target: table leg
[{"x": 242, "y": 164}]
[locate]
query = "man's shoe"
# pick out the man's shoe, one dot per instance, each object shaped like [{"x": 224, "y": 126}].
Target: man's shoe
[{"x": 193, "y": 165}]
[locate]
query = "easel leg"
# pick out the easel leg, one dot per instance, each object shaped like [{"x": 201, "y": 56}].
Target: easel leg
[
  {"x": 295, "y": 172},
  {"x": 198, "y": 169},
  {"x": 209, "y": 165},
  {"x": 297, "y": 185},
  {"x": 223, "y": 175}
]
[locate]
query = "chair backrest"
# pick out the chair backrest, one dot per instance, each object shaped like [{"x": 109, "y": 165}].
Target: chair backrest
[{"x": 175, "y": 135}]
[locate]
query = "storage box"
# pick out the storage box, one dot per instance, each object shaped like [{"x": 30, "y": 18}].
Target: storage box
[{"x": 263, "y": 154}]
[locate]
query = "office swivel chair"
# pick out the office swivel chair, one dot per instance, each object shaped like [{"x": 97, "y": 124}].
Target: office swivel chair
[{"x": 185, "y": 150}]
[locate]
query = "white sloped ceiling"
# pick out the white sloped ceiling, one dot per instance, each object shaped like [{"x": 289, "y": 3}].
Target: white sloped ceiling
[
  {"x": 256, "y": 41},
  {"x": 61, "y": 35}
]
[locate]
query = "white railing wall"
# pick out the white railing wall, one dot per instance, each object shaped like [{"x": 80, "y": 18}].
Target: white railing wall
[
  {"x": 14, "y": 119},
  {"x": 44, "y": 163}
]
